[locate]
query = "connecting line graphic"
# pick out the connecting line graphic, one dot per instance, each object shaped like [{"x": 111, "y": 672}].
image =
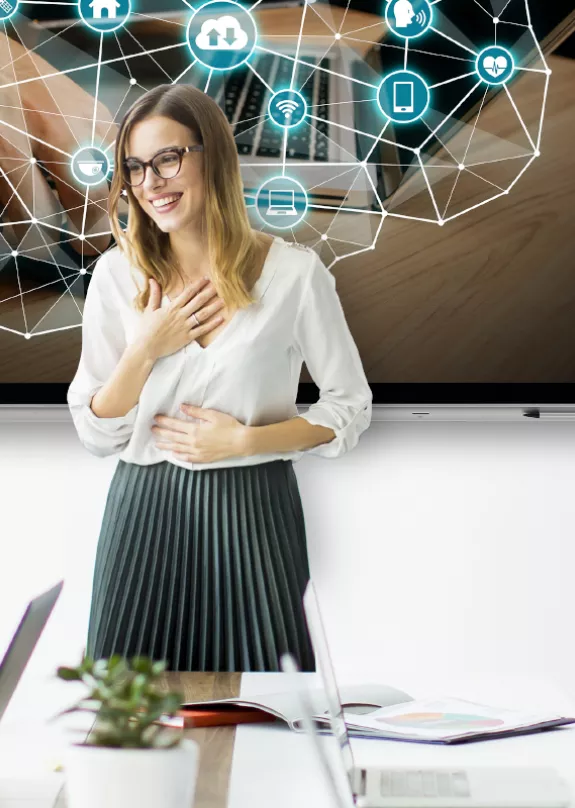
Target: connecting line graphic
[
  {"x": 463, "y": 163},
  {"x": 342, "y": 128},
  {"x": 295, "y": 61},
  {"x": 454, "y": 41}
]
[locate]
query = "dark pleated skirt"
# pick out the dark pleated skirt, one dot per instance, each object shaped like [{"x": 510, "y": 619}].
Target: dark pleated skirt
[{"x": 203, "y": 568}]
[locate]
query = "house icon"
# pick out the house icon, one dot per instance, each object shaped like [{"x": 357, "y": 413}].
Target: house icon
[{"x": 109, "y": 6}]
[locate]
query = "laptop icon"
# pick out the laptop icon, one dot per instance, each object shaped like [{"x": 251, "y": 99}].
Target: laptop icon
[
  {"x": 413, "y": 786},
  {"x": 282, "y": 203}
]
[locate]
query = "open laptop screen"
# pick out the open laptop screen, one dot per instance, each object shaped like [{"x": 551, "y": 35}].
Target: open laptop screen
[
  {"x": 24, "y": 641},
  {"x": 326, "y": 670}
]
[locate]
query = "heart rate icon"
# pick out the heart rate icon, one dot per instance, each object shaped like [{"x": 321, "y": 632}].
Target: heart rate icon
[{"x": 495, "y": 65}]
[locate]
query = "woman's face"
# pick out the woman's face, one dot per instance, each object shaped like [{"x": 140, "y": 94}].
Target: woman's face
[{"x": 146, "y": 138}]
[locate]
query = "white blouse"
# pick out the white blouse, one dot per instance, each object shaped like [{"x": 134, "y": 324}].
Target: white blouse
[{"x": 250, "y": 370}]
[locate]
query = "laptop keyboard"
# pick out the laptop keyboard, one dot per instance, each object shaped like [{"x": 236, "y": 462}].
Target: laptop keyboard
[
  {"x": 426, "y": 783},
  {"x": 244, "y": 98}
]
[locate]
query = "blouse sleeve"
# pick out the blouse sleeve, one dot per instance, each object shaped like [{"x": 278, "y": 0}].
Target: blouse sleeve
[
  {"x": 103, "y": 343},
  {"x": 324, "y": 341}
]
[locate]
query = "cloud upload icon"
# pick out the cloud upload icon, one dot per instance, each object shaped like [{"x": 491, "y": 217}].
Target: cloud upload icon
[{"x": 223, "y": 33}]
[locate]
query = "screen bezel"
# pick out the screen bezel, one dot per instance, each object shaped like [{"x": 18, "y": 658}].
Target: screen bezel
[{"x": 411, "y": 394}]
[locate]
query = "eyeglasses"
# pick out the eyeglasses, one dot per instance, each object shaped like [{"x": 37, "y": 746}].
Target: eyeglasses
[{"x": 166, "y": 164}]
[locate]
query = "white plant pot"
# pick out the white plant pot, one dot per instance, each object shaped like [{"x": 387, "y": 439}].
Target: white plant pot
[{"x": 131, "y": 778}]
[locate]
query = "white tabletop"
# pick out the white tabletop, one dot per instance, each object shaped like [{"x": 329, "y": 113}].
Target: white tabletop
[{"x": 270, "y": 760}]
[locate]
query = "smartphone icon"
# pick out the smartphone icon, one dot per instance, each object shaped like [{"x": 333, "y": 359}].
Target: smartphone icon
[{"x": 403, "y": 96}]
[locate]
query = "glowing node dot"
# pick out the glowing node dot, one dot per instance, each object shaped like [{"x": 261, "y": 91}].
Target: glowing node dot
[
  {"x": 82, "y": 271},
  {"x": 495, "y": 20},
  {"x": 441, "y": 222},
  {"x": 537, "y": 153},
  {"x": 549, "y": 71},
  {"x": 14, "y": 253},
  {"x": 461, "y": 166},
  {"x": 506, "y": 191},
  {"x": 324, "y": 236},
  {"x": 338, "y": 36},
  {"x": 34, "y": 221},
  {"x": 27, "y": 335},
  {"x": 81, "y": 237},
  {"x": 417, "y": 150},
  {"x": 133, "y": 81},
  {"x": 33, "y": 160}
]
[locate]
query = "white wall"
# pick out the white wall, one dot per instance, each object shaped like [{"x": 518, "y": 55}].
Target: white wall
[{"x": 435, "y": 547}]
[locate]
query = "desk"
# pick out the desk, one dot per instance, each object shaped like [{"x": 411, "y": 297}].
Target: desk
[{"x": 245, "y": 765}]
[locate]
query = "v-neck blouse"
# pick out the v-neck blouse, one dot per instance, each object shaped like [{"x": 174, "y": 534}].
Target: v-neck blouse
[{"x": 250, "y": 370}]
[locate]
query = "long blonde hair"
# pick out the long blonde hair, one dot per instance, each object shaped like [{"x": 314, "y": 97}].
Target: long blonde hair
[{"x": 232, "y": 244}]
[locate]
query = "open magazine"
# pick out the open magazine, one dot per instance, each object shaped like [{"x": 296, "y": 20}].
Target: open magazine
[{"x": 380, "y": 711}]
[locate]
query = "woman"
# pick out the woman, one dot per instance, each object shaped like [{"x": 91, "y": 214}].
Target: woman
[{"x": 195, "y": 329}]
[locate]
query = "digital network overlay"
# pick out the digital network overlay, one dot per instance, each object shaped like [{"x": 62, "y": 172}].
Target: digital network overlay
[{"x": 340, "y": 123}]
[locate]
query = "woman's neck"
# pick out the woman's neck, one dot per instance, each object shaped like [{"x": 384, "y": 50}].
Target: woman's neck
[{"x": 191, "y": 255}]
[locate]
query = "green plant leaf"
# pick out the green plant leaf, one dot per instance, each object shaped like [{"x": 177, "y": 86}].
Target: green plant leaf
[
  {"x": 69, "y": 674},
  {"x": 86, "y": 664},
  {"x": 159, "y": 667},
  {"x": 125, "y": 700}
]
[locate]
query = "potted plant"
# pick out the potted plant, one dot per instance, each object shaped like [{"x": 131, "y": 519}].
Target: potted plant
[{"x": 127, "y": 760}]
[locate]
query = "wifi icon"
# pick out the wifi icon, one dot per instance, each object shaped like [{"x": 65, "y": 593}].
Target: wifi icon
[
  {"x": 287, "y": 108},
  {"x": 421, "y": 18}
]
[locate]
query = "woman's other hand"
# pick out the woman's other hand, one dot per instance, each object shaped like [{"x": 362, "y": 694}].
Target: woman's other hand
[
  {"x": 217, "y": 437},
  {"x": 48, "y": 119},
  {"x": 164, "y": 331}
]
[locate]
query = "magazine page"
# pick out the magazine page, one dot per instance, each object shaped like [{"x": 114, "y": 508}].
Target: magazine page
[
  {"x": 284, "y": 705},
  {"x": 448, "y": 719}
]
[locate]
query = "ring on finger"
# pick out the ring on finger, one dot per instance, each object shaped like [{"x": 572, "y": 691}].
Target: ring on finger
[{"x": 197, "y": 322}]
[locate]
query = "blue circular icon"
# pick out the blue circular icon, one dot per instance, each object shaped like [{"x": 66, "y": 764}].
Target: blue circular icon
[
  {"x": 403, "y": 96},
  {"x": 494, "y": 65},
  {"x": 104, "y": 15},
  {"x": 221, "y": 34},
  {"x": 287, "y": 108},
  {"x": 90, "y": 165},
  {"x": 409, "y": 18},
  {"x": 8, "y": 8},
  {"x": 281, "y": 202}
]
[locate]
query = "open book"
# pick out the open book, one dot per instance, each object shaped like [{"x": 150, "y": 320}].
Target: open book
[{"x": 380, "y": 711}]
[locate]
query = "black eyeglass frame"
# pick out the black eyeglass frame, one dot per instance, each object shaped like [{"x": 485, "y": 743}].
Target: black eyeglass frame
[{"x": 179, "y": 150}]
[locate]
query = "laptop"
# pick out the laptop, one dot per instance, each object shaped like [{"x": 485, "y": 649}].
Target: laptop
[
  {"x": 415, "y": 786},
  {"x": 347, "y": 128},
  {"x": 40, "y": 792},
  {"x": 282, "y": 203}
]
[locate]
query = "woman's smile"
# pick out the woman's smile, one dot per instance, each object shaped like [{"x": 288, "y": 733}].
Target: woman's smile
[{"x": 165, "y": 203}]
